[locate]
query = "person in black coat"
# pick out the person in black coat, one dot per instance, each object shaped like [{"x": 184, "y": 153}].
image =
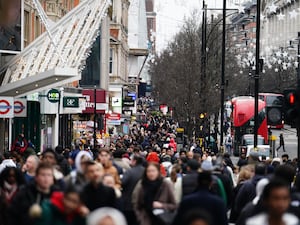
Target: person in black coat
[
  {"x": 203, "y": 200},
  {"x": 189, "y": 181},
  {"x": 248, "y": 191},
  {"x": 129, "y": 181},
  {"x": 95, "y": 194}
]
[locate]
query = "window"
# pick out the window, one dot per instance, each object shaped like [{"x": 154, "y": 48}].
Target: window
[
  {"x": 110, "y": 61},
  {"x": 37, "y": 27},
  {"x": 26, "y": 28}
]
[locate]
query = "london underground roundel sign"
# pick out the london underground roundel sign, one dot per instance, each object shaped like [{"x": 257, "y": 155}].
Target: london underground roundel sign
[{"x": 53, "y": 95}]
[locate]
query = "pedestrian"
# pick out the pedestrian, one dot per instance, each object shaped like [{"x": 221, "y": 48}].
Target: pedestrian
[
  {"x": 247, "y": 191},
  {"x": 29, "y": 168},
  {"x": 228, "y": 144},
  {"x": 11, "y": 179},
  {"x": 104, "y": 157},
  {"x": 189, "y": 181},
  {"x": 129, "y": 181},
  {"x": 29, "y": 198},
  {"x": 276, "y": 199},
  {"x": 152, "y": 194},
  {"x": 281, "y": 142},
  {"x": 106, "y": 216},
  {"x": 203, "y": 200},
  {"x": 95, "y": 194},
  {"x": 77, "y": 176},
  {"x": 63, "y": 208}
]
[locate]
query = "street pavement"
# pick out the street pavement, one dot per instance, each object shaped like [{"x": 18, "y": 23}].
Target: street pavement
[{"x": 290, "y": 140}]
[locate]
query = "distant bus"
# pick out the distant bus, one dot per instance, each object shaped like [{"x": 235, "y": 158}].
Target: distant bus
[
  {"x": 243, "y": 120},
  {"x": 274, "y": 105}
]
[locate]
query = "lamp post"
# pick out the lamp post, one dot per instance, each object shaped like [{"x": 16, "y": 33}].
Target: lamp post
[
  {"x": 256, "y": 76},
  {"x": 223, "y": 74},
  {"x": 298, "y": 91},
  {"x": 95, "y": 117}
]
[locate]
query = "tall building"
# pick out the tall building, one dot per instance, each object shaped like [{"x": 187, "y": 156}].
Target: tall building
[
  {"x": 46, "y": 74},
  {"x": 138, "y": 53}
]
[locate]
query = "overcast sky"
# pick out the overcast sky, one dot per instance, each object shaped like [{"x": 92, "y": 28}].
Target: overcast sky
[{"x": 171, "y": 14}]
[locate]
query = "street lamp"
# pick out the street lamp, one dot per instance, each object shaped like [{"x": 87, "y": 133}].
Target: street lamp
[
  {"x": 256, "y": 76},
  {"x": 298, "y": 90},
  {"x": 204, "y": 42}
]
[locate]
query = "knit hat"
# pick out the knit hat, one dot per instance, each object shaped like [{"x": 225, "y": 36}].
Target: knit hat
[{"x": 152, "y": 157}]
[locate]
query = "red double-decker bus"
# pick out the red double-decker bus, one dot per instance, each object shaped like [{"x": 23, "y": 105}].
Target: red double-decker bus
[
  {"x": 274, "y": 108},
  {"x": 243, "y": 121}
]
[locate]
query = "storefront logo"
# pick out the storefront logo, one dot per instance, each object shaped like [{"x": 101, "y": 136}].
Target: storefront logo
[{"x": 53, "y": 95}]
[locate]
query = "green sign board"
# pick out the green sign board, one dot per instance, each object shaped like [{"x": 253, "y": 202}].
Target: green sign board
[
  {"x": 53, "y": 95},
  {"x": 71, "y": 102}
]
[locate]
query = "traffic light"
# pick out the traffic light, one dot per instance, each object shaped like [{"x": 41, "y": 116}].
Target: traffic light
[{"x": 291, "y": 106}]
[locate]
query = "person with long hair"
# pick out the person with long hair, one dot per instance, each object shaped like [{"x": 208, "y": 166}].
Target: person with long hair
[
  {"x": 11, "y": 178},
  {"x": 152, "y": 193}
]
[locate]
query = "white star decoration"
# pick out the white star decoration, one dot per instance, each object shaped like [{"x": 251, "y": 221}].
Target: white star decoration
[
  {"x": 272, "y": 8},
  {"x": 280, "y": 16},
  {"x": 240, "y": 8},
  {"x": 293, "y": 14}
]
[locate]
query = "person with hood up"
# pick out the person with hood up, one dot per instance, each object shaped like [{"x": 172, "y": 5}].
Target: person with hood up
[
  {"x": 77, "y": 176},
  {"x": 63, "y": 209}
]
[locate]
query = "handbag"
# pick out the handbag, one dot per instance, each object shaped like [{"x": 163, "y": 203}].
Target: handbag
[{"x": 164, "y": 216}]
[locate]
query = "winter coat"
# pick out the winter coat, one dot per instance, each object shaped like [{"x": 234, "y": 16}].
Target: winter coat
[
  {"x": 53, "y": 213},
  {"x": 165, "y": 195},
  {"x": 100, "y": 196},
  {"x": 203, "y": 199},
  {"x": 246, "y": 193},
  {"x": 18, "y": 211},
  {"x": 129, "y": 181},
  {"x": 189, "y": 183}
]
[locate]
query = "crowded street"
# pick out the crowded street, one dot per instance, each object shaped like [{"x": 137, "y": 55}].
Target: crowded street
[{"x": 149, "y": 112}]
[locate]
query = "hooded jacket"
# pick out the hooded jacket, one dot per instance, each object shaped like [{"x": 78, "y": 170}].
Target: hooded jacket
[{"x": 76, "y": 176}]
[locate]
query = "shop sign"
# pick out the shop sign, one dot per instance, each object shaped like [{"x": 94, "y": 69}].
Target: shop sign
[
  {"x": 6, "y": 107},
  {"x": 113, "y": 116},
  {"x": 71, "y": 102},
  {"x": 116, "y": 102},
  {"x": 20, "y": 108},
  {"x": 101, "y": 105},
  {"x": 53, "y": 95},
  {"x": 129, "y": 102}
]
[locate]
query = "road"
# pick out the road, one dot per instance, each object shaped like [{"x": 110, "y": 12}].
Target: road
[{"x": 290, "y": 140}]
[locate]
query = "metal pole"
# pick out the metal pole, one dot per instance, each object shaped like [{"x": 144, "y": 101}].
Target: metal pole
[
  {"x": 223, "y": 74},
  {"x": 298, "y": 91},
  {"x": 95, "y": 115},
  {"x": 256, "y": 77}
]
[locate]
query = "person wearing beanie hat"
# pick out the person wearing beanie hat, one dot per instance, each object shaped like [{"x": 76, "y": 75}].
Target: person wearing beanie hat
[{"x": 153, "y": 157}]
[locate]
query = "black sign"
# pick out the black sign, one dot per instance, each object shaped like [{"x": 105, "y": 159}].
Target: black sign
[
  {"x": 53, "y": 95},
  {"x": 71, "y": 102},
  {"x": 128, "y": 102}
]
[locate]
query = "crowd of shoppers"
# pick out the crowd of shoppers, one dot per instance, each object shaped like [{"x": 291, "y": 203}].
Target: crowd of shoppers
[{"x": 144, "y": 178}]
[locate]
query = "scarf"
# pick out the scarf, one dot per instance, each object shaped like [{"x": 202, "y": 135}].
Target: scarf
[
  {"x": 9, "y": 190},
  {"x": 150, "y": 190}
]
